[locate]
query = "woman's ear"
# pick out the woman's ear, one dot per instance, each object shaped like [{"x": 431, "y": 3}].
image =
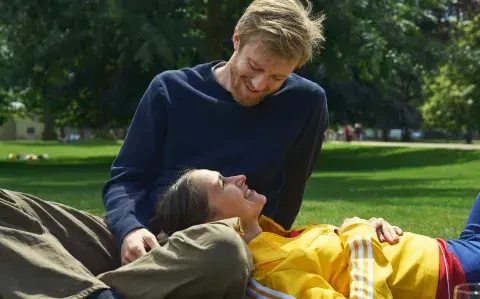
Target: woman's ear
[{"x": 214, "y": 216}]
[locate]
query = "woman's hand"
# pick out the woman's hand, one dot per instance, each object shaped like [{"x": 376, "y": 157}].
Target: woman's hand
[{"x": 385, "y": 231}]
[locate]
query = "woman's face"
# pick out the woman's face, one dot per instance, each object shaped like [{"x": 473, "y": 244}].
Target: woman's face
[{"x": 229, "y": 197}]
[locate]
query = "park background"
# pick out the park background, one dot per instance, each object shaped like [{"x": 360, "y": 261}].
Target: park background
[{"x": 72, "y": 73}]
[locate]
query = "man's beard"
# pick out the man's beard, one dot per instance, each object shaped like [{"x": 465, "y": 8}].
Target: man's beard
[{"x": 236, "y": 86}]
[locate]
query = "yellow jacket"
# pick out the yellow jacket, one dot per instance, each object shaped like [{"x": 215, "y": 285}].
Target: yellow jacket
[{"x": 319, "y": 263}]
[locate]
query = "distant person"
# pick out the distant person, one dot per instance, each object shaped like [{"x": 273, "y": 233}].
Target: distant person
[
  {"x": 348, "y": 133},
  {"x": 341, "y": 133},
  {"x": 358, "y": 132},
  {"x": 330, "y": 135}
]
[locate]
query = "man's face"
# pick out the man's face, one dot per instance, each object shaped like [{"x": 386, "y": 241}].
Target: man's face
[{"x": 255, "y": 72}]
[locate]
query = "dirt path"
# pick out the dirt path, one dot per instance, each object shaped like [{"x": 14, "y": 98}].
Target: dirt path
[{"x": 471, "y": 147}]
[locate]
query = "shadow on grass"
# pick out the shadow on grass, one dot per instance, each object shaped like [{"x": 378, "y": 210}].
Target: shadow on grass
[
  {"x": 80, "y": 143},
  {"x": 399, "y": 192},
  {"x": 382, "y": 158},
  {"x": 35, "y": 188},
  {"x": 57, "y": 178},
  {"x": 60, "y": 163},
  {"x": 60, "y": 175}
]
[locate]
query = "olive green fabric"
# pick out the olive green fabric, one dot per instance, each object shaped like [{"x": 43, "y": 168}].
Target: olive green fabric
[{"x": 49, "y": 250}]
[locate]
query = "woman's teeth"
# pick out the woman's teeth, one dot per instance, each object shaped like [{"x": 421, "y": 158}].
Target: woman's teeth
[{"x": 247, "y": 194}]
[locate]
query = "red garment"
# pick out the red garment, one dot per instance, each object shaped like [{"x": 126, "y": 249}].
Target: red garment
[
  {"x": 294, "y": 233},
  {"x": 451, "y": 272}
]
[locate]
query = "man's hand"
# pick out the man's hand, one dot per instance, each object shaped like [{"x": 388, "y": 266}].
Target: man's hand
[
  {"x": 385, "y": 231},
  {"x": 136, "y": 244}
]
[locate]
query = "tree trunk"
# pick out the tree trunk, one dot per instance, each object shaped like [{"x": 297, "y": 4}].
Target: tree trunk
[
  {"x": 81, "y": 132},
  {"x": 49, "y": 132},
  {"x": 62, "y": 132},
  {"x": 468, "y": 136},
  {"x": 406, "y": 137},
  {"x": 385, "y": 134},
  {"x": 213, "y": 46}
]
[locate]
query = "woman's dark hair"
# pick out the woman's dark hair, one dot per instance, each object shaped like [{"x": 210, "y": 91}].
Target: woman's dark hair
[{"x": 181, "y": 206}]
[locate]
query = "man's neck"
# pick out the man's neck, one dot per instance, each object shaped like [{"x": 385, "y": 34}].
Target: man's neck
[{"x": 221, "y": 73}]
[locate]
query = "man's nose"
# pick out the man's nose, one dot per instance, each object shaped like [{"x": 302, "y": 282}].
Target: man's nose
[{"x": 259, "y": 82}]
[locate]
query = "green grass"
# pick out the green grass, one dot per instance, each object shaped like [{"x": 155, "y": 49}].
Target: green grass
[
  {"x": 73, "y": 174},
  {"x": 476, "y": 141},
  {"x": 428, "y": 191}
]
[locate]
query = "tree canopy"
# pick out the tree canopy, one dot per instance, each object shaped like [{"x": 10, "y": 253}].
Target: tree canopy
[
  {"x": 454, "y": 93},
  {"x": 87, "y": 63}
]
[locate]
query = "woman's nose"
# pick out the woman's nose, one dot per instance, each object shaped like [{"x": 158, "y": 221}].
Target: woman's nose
[{"x": 237, "y": 179}]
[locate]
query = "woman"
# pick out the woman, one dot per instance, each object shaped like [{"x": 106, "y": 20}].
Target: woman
[
  {"x": 50, "y": 250},
  {"x": 322, "y": 261}
]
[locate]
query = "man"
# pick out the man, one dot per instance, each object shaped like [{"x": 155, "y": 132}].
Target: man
[{"x": 249, "y": 115}]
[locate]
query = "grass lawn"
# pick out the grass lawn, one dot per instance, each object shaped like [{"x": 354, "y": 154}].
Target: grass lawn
[
  {"x": 73, "y": 174},
  {"x": 428, "y": 191},
  {"x": 476, "y": 141}
]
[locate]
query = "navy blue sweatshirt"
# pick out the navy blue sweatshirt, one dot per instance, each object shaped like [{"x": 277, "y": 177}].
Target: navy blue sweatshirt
[{"x": 186, "y": 119}]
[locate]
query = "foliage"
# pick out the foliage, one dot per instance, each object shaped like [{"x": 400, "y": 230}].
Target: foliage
[
  {"x": 375, "y": 53},
  {"x": 5, "y": 107},
  {"x": 87, "y": 63},
  {"x": 454, "y": 94}
]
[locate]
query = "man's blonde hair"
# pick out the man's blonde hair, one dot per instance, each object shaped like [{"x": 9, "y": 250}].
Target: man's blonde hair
[{"x": 286, "y": 27}]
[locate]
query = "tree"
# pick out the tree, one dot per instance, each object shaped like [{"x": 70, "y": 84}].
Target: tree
[
  {"x": 38, "y": 41},
  {"x": 375, "y": 54},
  {"x": 454, "y": 93},
  {"x": 87, "y": 63},
  {"x": 5, "y": 107}
]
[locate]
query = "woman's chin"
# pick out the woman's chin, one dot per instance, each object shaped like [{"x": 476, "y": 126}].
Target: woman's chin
[{"x": 257, "y": 199}]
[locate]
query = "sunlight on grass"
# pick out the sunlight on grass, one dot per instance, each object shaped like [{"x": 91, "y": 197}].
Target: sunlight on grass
[
  {"x": 55, "y": 149},
  {"x": 428, "y": 191}
]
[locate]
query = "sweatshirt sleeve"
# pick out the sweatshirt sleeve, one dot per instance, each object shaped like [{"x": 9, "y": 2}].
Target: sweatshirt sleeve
[
  {"x": 125, "y": 194},
  {"x": 293, "y": 283},
  {"x": 368, "y": 267},
  {"x": 300, "y": 162}
]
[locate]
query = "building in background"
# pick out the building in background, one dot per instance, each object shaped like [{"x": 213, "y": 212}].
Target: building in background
[{"x": 21, "y": 129}]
